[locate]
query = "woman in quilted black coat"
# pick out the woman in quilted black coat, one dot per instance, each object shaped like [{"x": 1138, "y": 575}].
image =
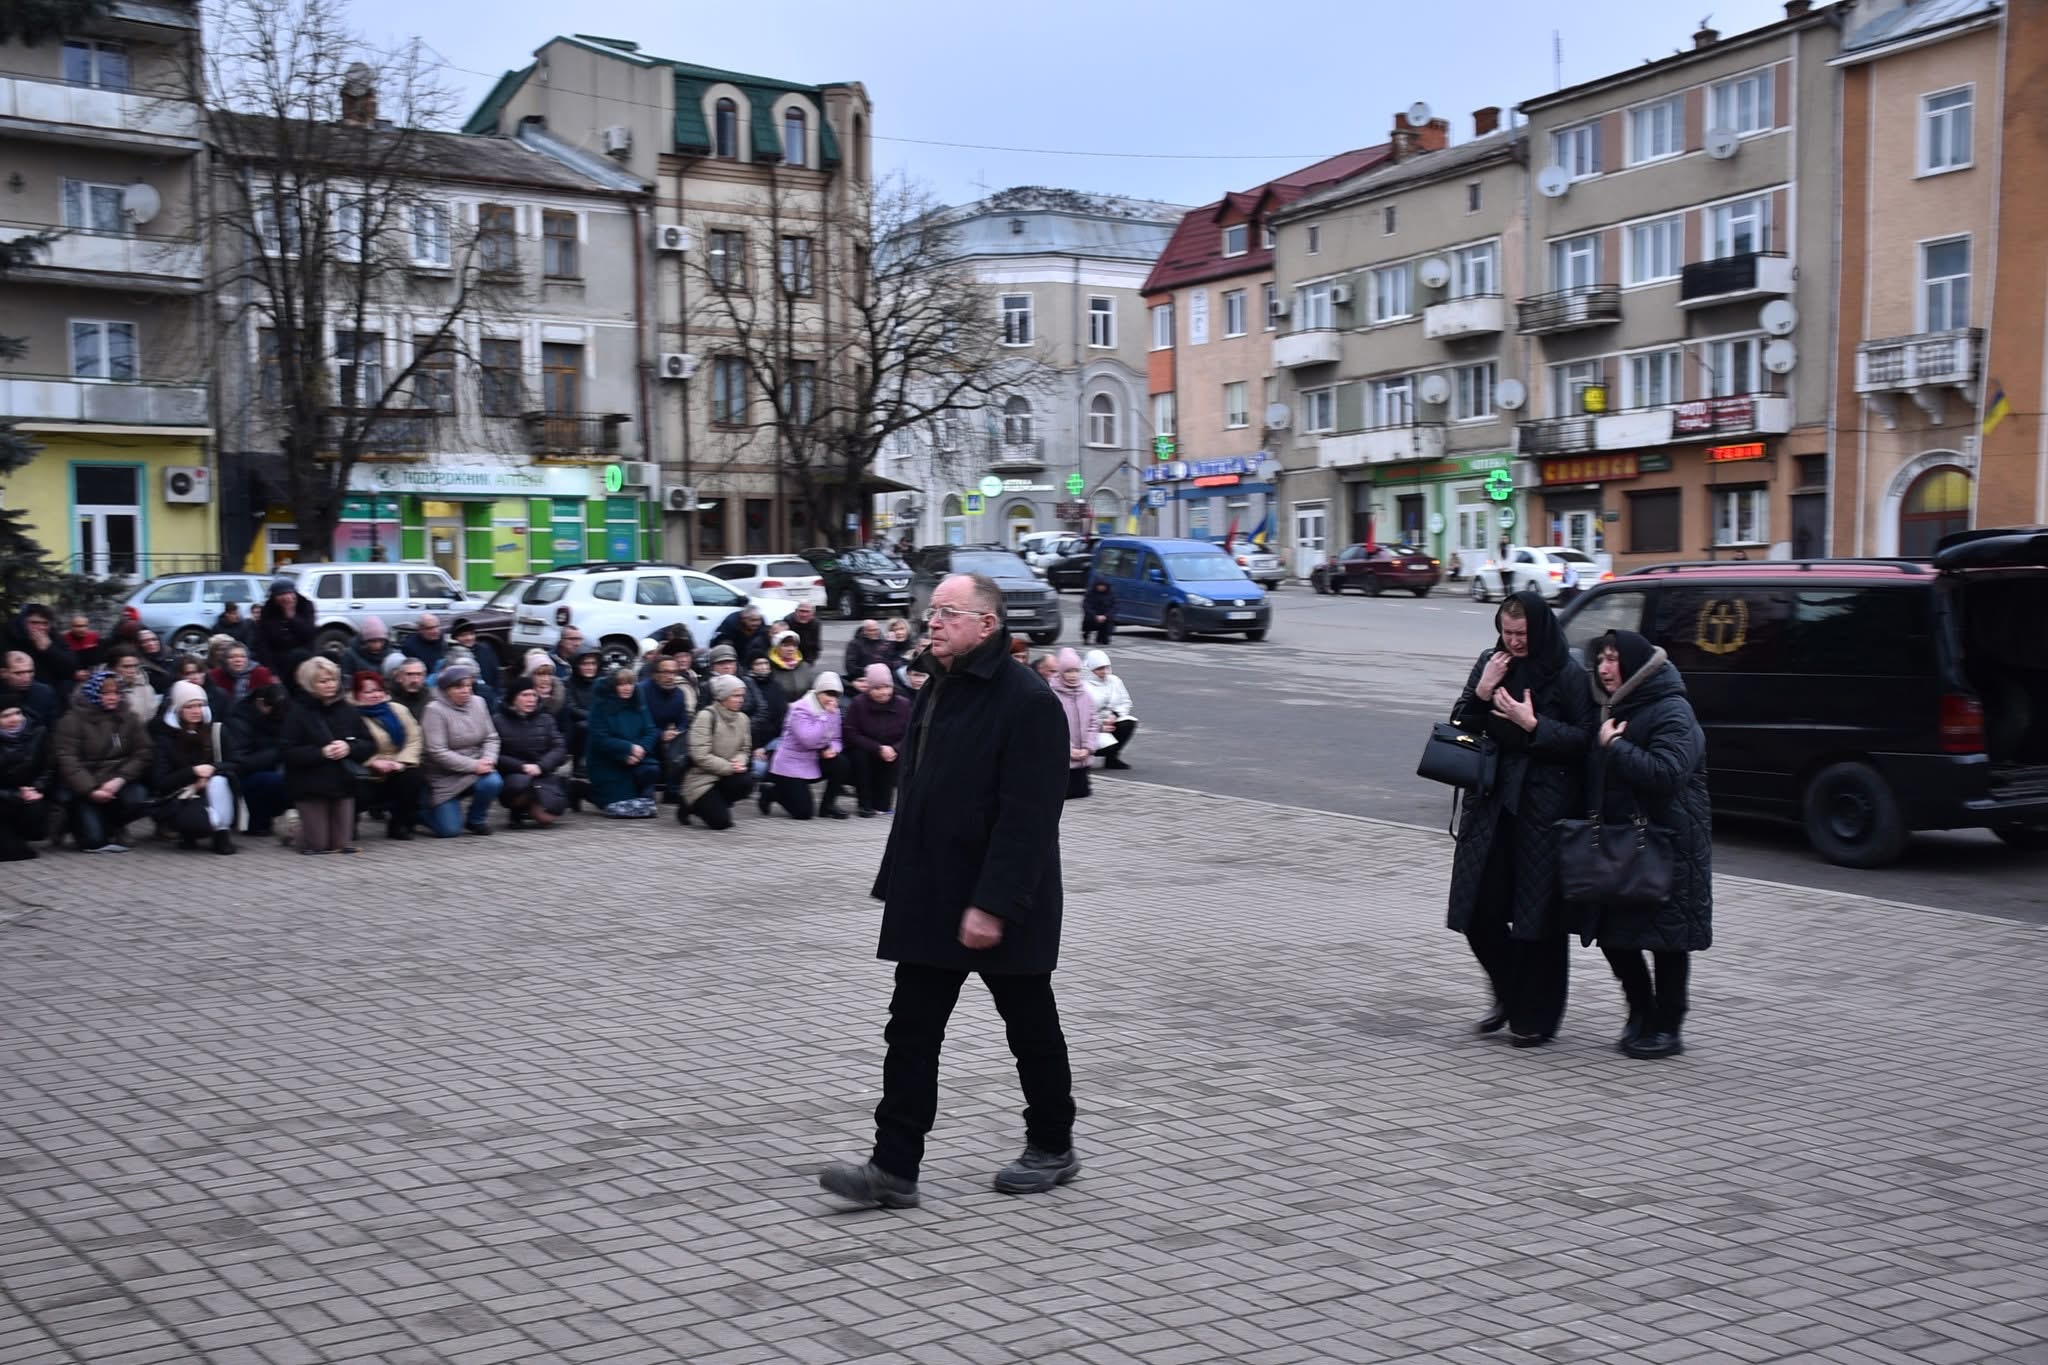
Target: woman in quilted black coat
[
  {"x": 1530, "y": 695},
  {"x": 1655, "y": 763}
]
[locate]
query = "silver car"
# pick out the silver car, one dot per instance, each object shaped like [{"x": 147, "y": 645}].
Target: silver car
[
  {"x": 181, "y": 607},
  {"x": 397, "y": 594}
]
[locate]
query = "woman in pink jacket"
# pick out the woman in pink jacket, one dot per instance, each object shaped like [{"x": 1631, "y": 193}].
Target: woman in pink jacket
[
  {"x": 1082, "y": 723},
  {"x": 810, "y": 749}
]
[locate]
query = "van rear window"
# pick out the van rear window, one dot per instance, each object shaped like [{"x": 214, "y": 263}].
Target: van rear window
[{"x": 1862, "y": 632}]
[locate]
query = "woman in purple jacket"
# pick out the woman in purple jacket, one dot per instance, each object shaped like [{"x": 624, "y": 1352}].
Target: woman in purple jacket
[
  {"x": 876, "y": 722},
  {"x": 810, "y": 749}
]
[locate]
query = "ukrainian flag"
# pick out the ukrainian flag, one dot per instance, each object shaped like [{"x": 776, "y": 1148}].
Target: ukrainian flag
[
  {"x": 1131, "y": 521},
  {"x": 1997, "y": 412},
  {"x": 1263, "y": 529}
]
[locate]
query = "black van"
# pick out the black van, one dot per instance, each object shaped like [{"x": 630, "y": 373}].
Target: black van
[{"x": 1864, "y": 699}]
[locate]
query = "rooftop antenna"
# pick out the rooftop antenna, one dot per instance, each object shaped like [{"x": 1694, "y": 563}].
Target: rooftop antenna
[{"x": 1556, "y": 59}]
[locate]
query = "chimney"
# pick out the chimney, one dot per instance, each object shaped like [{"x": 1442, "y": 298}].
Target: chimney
[
  {"x": 1706, "y": 37},
  {"x": 1485, "y": 120},
  {"x": 1797, "y": 9},
  {"x": 359, "y": 96},
  {"x": 1434, "y": 135},
  {"x": 1401, "y": 142}
]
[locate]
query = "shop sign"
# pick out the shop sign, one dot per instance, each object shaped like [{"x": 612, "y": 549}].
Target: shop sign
[
  {"x": 1485, "y": 464},
  {"x": 1216, "y": 481},
  {"x": 1162, "y": 447},
  {"x": 1070, "y": 511},
  {"x": 1021, "y": 486},
  {"x": 1749, "y": 450},
  {"x": 1155, "y": 497},
  {"x": 1239, "y": 465},
  {"x": 1500, "y": 485},
  {"x": 1076, "y": 485},
  {"x": 1714, "y": 414},
  {"x": 472, "y": 481},
  {"x": 1507, "y": 517},
  {"x": 1589, "y": 469},
  {"x": 1173, "y": 471},
  {"x": 971, "y": 504},
  {"x": 1593, "y": 398},
  {"x": 991, "y": 486}
]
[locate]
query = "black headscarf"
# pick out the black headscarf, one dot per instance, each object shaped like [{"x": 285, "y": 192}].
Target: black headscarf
[
  {"x": 1632, "y": 649},
  {"x": 1547, "y": 649}
]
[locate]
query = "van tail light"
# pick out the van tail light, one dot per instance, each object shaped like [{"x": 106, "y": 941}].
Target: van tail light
[
  {"x": 561, "y": 616},
  {"x": 768, "y": 583},
  {"x": 1962, "y": 724},
  {"x": 130, "y": 614}
]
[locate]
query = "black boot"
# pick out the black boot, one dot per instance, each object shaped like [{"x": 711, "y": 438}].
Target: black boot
[{"x": 223, "y": 842}]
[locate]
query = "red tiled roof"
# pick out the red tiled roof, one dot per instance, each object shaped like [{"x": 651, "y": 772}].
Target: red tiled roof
[{"x": 1195, "y": 252}]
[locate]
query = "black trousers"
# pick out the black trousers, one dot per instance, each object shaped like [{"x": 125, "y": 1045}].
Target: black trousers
[
  {"x": 97, "y": 822},
  {"x": 396, "y": 796},
  {"x": 918, "y": 1012},
  {"x": 550, "y": 792},
  {"x": 1097, "y": 630},
  {"x": 21, "y": 824},
  {"x": 1530, "y": 977},
  {"x": 714, "y": 807},
  {"x": 1661, "y": 1004},
  {"x": 874, "y": 781},
  {"x": 1122, "y": 732},
  {"x": 794, "y": 793}
]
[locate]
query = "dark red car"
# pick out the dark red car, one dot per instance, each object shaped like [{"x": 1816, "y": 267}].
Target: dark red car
[{"x": 1373, "y": 569}]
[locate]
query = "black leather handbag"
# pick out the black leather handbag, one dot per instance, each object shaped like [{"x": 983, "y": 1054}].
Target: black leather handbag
[
  {"x": 1458, "y": 758},
  {"x": 1614, "y": 866}
]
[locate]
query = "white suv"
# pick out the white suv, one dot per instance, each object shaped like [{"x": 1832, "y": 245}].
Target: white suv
[{"x": 618, "y": 605}]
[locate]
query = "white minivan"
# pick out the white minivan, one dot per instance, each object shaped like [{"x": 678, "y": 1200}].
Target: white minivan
[{"x": 616, "y": 606}]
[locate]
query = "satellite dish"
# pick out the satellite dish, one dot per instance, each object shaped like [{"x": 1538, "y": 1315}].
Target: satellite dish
[
  {"x": 1510, "y": 394},
  {"x": 1779, "y": 317},
  {"x": 1721, "y": 143},
  {"x": 141, "y": 202},
  {"x": 1780, "y": 356},
  {"x": 1418, "y": 115},
  {"x": 1435, "y": 272},
  {"x": 1434, "y": 388},
  {"x": 1553, "y": 182},
  {"x": 1277, "y": 416}
]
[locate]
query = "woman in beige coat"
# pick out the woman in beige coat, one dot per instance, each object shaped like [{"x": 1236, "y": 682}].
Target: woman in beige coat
[
  {"x": 721, "y": 757},
  {"x": 392, "y": 779}
]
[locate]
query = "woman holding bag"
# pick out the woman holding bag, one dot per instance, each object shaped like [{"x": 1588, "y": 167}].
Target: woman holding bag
[{"x": 1652, "y": 762}]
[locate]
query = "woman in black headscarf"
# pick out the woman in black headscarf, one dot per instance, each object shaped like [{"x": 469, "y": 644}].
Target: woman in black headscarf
[{"x": 1530, "y": 696}]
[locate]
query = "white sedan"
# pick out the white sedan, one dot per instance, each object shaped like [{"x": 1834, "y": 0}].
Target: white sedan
[
  {"x": 774, "y": 575},
  {"x": 1541, "y": 567}
]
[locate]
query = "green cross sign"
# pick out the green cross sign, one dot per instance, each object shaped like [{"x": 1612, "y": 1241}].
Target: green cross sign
[
  {"x": 614, "y": 478},
  {"x": 1162, "y": 447},
  {"x": 1076, "y": 485},
  {"x": 1500, "y": 485}
]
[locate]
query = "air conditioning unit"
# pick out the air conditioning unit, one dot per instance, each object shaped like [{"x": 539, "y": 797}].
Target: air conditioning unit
[
  {"x": 618, "y": 140},
  {"x": 678, "y": 365},
  {"x": 682, "y": 499},
  {"x": 188, "y": 483},
  {"x": 672, "y": 237},
  {"x": 1277, "y": 307},
  {"x": 641, "y": 474},
  {"x": 1340, "y": 294}
]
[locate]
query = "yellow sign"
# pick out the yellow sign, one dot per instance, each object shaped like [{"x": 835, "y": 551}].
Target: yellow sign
[
  {"x": 1594, "y": 396},
  {"x": 1723, "y": 626}
]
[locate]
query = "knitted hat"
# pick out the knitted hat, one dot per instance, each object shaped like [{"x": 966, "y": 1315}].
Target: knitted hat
[
  {"x": 463, "y": 626},
  {"x": 518, "y": 686},
  {"x": 92, "y": 688},
  {"x": 725, "y": 685},
  {"x": 373, "y": 628},
  {"x": 721, "y": 654},
  {"x": 364, "y": 675},
  {"x": 393, "y": 664},
  {"x": 1068, "y": 659},
  {"x": 878, "y": 675},
  {"x": 828, "y": 681},
  {"x": 280, "y": 586},
  {"x": 461, "y": 670},
  {"x": 535, "y": 661},
  {"x": 782, "y": 635},
  {"x": 184, "y": 691}
]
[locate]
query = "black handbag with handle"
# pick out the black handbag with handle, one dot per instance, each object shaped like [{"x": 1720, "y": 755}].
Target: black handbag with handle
[
  {"x": 1614, "y": 866},
  {"x": 1458, "y": 758}
]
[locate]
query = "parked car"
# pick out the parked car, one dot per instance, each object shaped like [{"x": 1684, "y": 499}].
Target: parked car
[
  {"x": 1534, "y": 566},
  {"x": 493, "y": 618},
  {"x": 1184, "y": 587},
  {"x": 1260, "y": 565},
  {"x": 620, "y": 604},
  {"x": 1042, "y": 548},
  {"x": 784, "y": 575},
  {"x": 862, "y": 583},
  {"x": 1030, "y": 608},
  {"x": 1861, "y": 699},
  {"x": 398, "y": 594},
  {"x": 1373, "y": 569},
  {"x": 1069, "y": 572},
  {"x": 181, "y": 607}
]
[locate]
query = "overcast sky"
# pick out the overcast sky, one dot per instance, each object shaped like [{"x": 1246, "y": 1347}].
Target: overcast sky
[{"x": 1202, "y": 96}]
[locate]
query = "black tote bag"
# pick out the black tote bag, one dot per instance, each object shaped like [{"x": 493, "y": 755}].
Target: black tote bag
[{"x": 1625, "y": 866}]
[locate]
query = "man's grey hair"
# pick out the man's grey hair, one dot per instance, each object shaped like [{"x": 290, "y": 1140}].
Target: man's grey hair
[
  {"x": 17, "y": 659},
  {"x": 987, "y": 595},
  {"x": 426, "y": 618}
]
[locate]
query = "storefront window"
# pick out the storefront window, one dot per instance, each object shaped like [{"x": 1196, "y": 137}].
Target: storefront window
[
  {"x": 759, "y": 515},
  {"x": 1937, "y": 504},
  {"x": 710, "y": 528}
]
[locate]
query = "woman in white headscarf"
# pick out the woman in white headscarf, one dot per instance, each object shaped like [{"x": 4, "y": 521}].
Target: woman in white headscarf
[{"x": 1113, "y": 703}]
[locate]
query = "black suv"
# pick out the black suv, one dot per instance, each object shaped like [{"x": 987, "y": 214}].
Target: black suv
[
  {"x": 860, "y": 583},
  {"x": 1030, "y": 608},
  {"x": 1864, "y": 699}
]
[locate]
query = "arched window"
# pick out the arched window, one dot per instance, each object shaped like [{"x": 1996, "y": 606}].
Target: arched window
[
  {"x": 726, "y": 136},
  {"x": 793, "y": 138},
  {"x": 860, "y": 148},
  {"x": 1937, "y": 504},
  {"x": 1016, "y": 422},
  {"x": 1102, "y": 420}
]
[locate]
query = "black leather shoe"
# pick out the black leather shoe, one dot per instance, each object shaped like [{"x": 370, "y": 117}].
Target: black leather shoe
[
  {"x": 833, "y": 814},
  {"x": 868, "y": 1186},
  {"x": 1494, "y": 1022},
  {"x": 1638, "y": 1024},
  {"x": 398, "y": 830},
  {"x": 1654, "y": 1045},
  {"x": 1529, "y": 1039}
]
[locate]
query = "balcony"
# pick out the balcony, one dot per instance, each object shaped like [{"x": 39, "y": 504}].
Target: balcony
[
  {"x": 51, "y": 111},
  {"x": 155, "y": 265},
  {"x": 1901, "y": 364},
  {"x": 1750, "y": 275},
  {"x": 1554, "y": 436},
  {"x": 1475, "y": 315},
  {"x": 127, "y": 403},
  {"x": 1382, "y": 445},
  {"x": 381, "y": 436},
  {"x": 1314, "y": 346},
  {"x": 1016, "y": 457},
  {"x": 1568, "y": 310},
  {"x": 573, "y": 436}
]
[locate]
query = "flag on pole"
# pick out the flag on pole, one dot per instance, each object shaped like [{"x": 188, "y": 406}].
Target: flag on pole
[
  {"x": 1131, "y": 521},
  {"x": 1263, "y": 529},
  {"x": 1998, "y": 411},
  {"x": 1230, "y": 536}
]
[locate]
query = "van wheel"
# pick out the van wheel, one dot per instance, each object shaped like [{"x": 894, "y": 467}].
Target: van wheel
[
  {"x": 1255, "y": 635},
  {"x": 190, "y": 640},
  {"x": 618, "y": 652},
  {"x": 333, "y": 642},
  {"x": 2032, "y": 838},
  {"x": 1044, "y": 637},
  {"x": 1852, "y": 818},
  {"x": 1176, "y": 624}
]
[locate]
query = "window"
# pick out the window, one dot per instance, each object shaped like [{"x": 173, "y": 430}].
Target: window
[
  {"x": 500, "y": 377},
  {"x": 558, "y": 246},
  {"x": 171, "y": 593},
  {"x": 276, "y": 221},
  {"x": 1236, "y": 405},
  {"x": 793, "y": 266},
  {"x": 795, "y": 146},
  {"x": 1267, "y": 237},
  {"x": 1871, "y": 632},
  {"x": 1390, "y": 293},
  {"x": 1390, "y": 218},
  {"x": 497, "y": 238},
  {"x": 561, "y": 379},
  {"x": 1742, "y": 516},
  {"x": 1568, "y": 384},
  {"x": 800, "y": 393},
  {"x": 1236, "y": 239},
  {"x": 610, "y": 590},
  {"x": 1102, "y": 420},
  {"x": 1017, "y": 330},
  {"x": 269, "y": 375},
  {"x": 1318, "y": 410},
  {"x": 103, "y": 66},
  {"x": 1945, "y": 123},
  {"x": 1945, "y": 284},
  {"x": 1315, "y": 238},
  {"x": 1102, "y": 322},
  {"x": 655, "y": 590},
  {"x": 1577, "y": 150},
  {"x": 725, "y": 137},
  {"x": 103, "y": 350},
  {"x": 1736, "y": 367},
  {"x": 433, "y": 378},
  {"x": 1472, "y": 393},
  {"x": 1393, "y": 402},
  {"x": 1017, "y": 421},
  {"x": 358, "y": 369},
  {"x": 727, "y": 261},
  {"x": 1575, "y": 262},
  {"x": 1473, "y": 272},
  {"x": 1233, "y": 313},
  {"x": 1739, "y": 228},
  {"x": 1165, "y": 414},
  {"x": 348, "y": 230},
  {"x": 1270, "y": 303},
  {"x": 1313, "y": 309},
  {"x": 1936, "y": 505},
  {"x": 1743, "y": 105},
  {"x": 381, "y": 585},
  {"x": 430, "y": 234},
  {"x": 94, "y": 208},
  {"x": 1473, "y": 196},
  {"x": 1162, "y": 326},
  {"x": 728, "y": 390},
  {"x": 107, "y": 514},
  {"x": 1653, "y": 522},
  {"x": 1655, "y": 251},
  {"x": 1650, "y": 380},
  {"x": 1656, "y": 131}
]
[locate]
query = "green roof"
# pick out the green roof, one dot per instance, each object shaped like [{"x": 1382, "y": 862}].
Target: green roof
[{"x": 485, "y": 119}]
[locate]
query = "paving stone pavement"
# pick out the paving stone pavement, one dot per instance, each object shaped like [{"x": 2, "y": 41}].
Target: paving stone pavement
[{"x": 561, "y": 1096}]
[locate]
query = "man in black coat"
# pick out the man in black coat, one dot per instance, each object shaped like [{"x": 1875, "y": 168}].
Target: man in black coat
[
  {"x": 747, "y": 632},
  {"x": 809, "y": 632},
  {"x": 970, "y": 882},
  {"x": 285, "y": 627}
]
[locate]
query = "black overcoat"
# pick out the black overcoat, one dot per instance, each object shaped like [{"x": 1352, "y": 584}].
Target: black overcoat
[
  {"x": 977, "y": 818},
  {"x": 309, "y": 726},
  {"x": 283, "y": 642}
]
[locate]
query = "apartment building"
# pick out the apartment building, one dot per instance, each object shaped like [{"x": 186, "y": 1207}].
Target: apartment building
[
  {"x": 1401, "y": 376},
  {"x": 758, "y": 238},
  {"x": 1212, "y": 309},
  {"x": 1681, "y": 279},
  {"x": 103, "y": 142}
]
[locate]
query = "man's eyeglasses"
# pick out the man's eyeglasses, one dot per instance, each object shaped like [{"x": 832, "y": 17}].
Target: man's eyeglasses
[{"x": 932, "y": 616}]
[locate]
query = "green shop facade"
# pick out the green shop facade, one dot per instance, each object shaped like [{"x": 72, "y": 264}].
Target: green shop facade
[{"x": 1459, "y": 508}]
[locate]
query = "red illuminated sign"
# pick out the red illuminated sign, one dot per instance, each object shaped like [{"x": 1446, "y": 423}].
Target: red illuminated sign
[
  {"x": 1590, "y": 469},
  {"x": 1752, "y": 450},
  {"x": 1217, "y": 480}
]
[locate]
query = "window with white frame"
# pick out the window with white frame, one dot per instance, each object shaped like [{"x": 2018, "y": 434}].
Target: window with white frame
[
  {"x": 1318, "y": 410},
  {"x": 1475, "y": 271},
  {"x": 93, "y": 208},
  {"x": 1472, "y": 393},
  {"x": 1656, "y": 131},
  {"x": 1233, "y": 313},
  {"x": 793, "y": 266},
  {"x": 1393, "y": 403},
  {"x": 102, "y": 350},
  {"x": 1474, "y": 196},
  {"x": 1313, "y": 308},
  {"x": 1739, "y": 228},
  {"x": 1742, "y": 516},
  {"x": 1735, "y": 367},
  {"x": 1017, "y": 420},
  {"x": 1577, "y": 149},
  {"x": 1390, "y": 301},
  {"x": 1102, "y": 322},
  {"x": 1162, "y": 326},
  {"x": 358, "y": 369},
  {"x": 1650, "y": 379},
  {"x": 1656, "y": 251},
  {"x": 1017, "y": 329},
  {"x": 1165, "y": 414},
  {"x": 794, "y": 142},
  {"x": 99, "y": 66},
  {"x": 430, "y": 234},
  {"x": 1743, "y": 105},
  {"x": 1267, "y": 236},
  {"x": 276, "y": 221},
  {"x": 1237, "y": 239},
  {"x": 1315, "y": 238},
  {"x": 1102, "y": 420},
  {"x": 1390, "y": 219},
  {"x": 348, "y": 229},
  {"x": 1945, "y": 125},
  {"x": 1575, "y": 263},
  {"x": 1237, "y": 410},
  {"x": 1268, "y": 304},
  {"x": 1568, "y": 384},
  {"x": 1945, "y": 284}
]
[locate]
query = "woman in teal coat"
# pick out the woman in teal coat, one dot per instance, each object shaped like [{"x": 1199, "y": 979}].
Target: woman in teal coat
[{"x": 620, "y": 753}]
